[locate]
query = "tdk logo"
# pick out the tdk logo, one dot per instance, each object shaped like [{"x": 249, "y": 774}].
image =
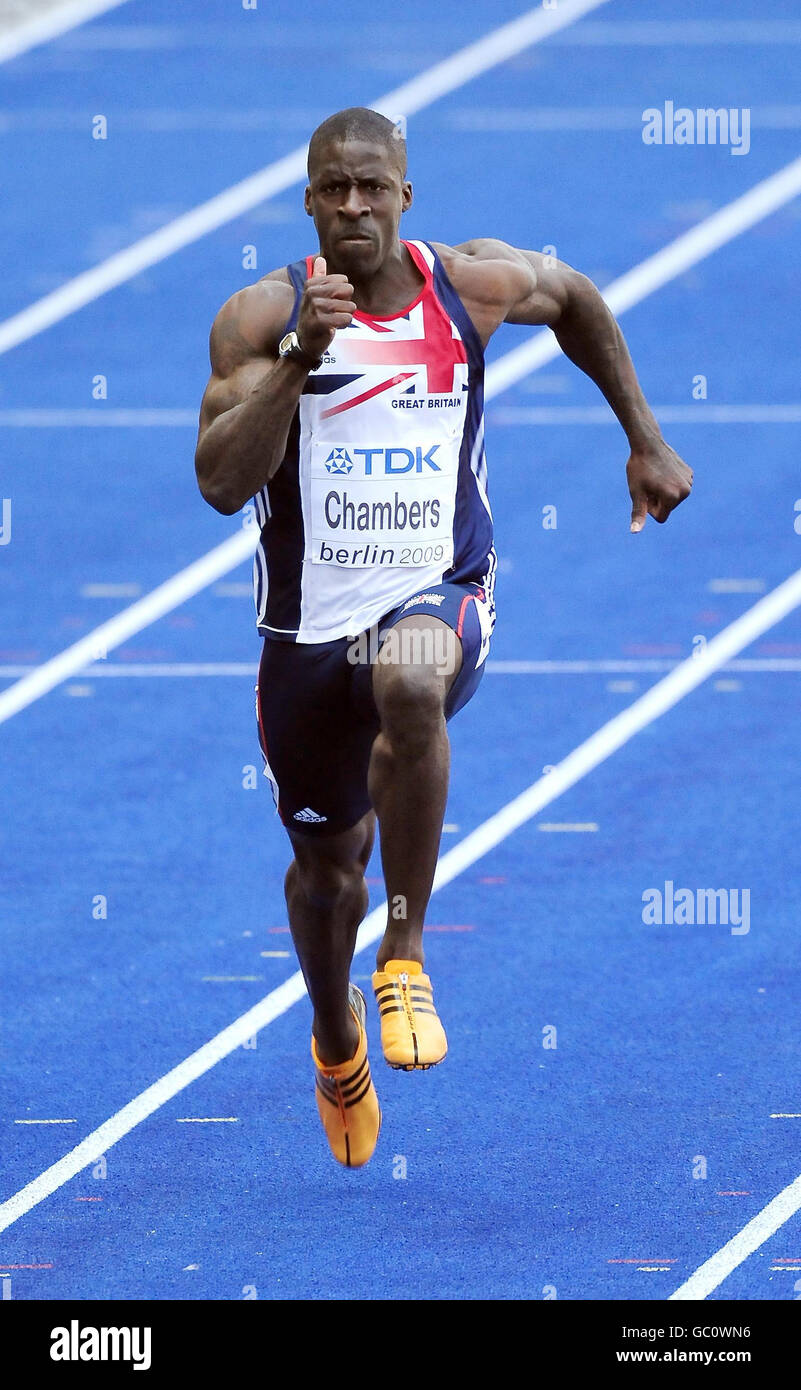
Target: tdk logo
[
  {"x": 393, "y": 460},
  {"x": 339, "y": 461}
]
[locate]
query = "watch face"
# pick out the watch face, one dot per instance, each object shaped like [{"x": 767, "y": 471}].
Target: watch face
[{"x": 286, "y": 344}]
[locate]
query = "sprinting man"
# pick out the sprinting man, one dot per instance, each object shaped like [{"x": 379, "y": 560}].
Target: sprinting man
[{"x": 346, "y": 398}]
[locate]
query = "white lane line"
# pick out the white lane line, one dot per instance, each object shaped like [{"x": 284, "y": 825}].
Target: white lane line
[
  {"x": 230, "y": 979},
  {"x": 657, "y": 270},
  {"x": 508, "y": 121},
  {"x": 587, "y": 756},
  {"x": 139, "y": 615},
  {"x": 45, "y": 1122},
  {"x": 43, "y": 27},
  {"x": 626, "y": 291},
  {"x": 720, "y": 1265},
  {"x": 700, "y": 414},
  {"x": 660, "y": 33},
  {"x": 135, "y": 417},
  {"x": 573, "y": 826},
  {"x": 469, "y": 62},
  {"x": 250, "y": 669},
  {"x": 208, "y": 1120},
  {"x": 736, "y": 586},
  {"x": 126, "y": 590},
  {"x": 581, "y": 668}
]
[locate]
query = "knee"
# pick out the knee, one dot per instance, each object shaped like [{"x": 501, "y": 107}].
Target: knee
[
  {"x": 327, "y": 886},
  {"x": 411, "y": 707}
]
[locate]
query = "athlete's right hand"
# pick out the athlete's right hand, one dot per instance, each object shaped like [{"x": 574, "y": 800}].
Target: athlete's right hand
[{"x": 326, "y": 305}]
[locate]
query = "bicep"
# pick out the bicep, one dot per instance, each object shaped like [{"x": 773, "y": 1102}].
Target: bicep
[{"x": 243, "y": 350}]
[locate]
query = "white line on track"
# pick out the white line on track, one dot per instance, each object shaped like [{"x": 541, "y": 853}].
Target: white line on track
[
  {"x": 208, "y": 1120},
  {"x": 135, "y": 418},
  {"x": 684, "y": 32},
  {"x": 575, "y": 826},
  {"x": 628, "y": 290},
  {"x": 657, "y": 270},
  {"x": 479, "y": 57},
  {"x": 43, "y": 27},
  {"x": 714, "y": 1270},
  {"x": 701, "y": 413},
  {"x": 111, "y": 634},
  {"x": 589, "y": 755},
  {"x": 198, "y": 669}
]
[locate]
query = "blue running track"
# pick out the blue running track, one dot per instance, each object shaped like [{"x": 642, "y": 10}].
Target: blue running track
[{"x": 612, "y": 1164}]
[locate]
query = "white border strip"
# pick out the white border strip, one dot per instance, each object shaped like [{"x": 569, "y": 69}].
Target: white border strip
[
  {"x": 496, "y": 47},
  {"x": 595, "y": 750},
  {"x": 32, "y": 32}
]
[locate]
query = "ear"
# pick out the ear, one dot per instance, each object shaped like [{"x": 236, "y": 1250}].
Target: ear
[
  {"x": 407, "y": 196},
  {"x": 307, "y": 201}
]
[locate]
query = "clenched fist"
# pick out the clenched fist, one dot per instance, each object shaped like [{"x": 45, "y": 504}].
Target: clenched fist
[{"x": 327, "y": 304}]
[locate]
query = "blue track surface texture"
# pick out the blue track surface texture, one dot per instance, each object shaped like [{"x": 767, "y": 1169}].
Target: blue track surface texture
[{"x": 519, "y": 1166}]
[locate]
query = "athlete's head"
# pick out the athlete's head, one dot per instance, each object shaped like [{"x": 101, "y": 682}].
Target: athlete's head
[{"x": 357, "y": 189}]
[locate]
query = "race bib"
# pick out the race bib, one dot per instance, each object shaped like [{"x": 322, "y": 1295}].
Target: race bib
[{"x": 389, "y": 505}]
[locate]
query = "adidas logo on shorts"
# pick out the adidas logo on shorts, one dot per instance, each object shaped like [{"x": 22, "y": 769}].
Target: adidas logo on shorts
[{"x": 308, "y": 814}]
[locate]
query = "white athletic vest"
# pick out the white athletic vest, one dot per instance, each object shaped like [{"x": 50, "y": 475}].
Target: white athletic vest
[{"x": 382, "y": 491}]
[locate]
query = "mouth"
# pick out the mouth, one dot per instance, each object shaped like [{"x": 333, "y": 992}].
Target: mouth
[{"x": 355, "y": 240}]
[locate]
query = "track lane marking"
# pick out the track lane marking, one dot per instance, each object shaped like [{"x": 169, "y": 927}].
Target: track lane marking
[
  {"x": 250, "y": 669},
  {"x": 719, "y": 1266},
  {"x": 44, "y": 27},
  {"x": 587, "y": 756},
  {"x": 446, "y": 76},
  {"x": 629, "y": 289}
]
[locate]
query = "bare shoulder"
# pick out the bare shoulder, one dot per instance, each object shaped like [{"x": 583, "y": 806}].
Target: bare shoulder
[
  {"x": 486, "y": 266},
  {"x": 485, "y": 248},
  {"x": 489, "y": 276},
  {"x": 250, "y": 323}
]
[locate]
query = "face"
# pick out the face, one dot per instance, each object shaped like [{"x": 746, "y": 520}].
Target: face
[{"x": 356, "y": 195}]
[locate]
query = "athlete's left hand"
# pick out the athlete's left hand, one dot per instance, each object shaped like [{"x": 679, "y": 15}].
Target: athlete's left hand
[{"x": 658, "y": 481}]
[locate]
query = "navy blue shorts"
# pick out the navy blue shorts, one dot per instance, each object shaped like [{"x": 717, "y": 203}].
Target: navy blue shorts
[{"x": 318, "y": 719}]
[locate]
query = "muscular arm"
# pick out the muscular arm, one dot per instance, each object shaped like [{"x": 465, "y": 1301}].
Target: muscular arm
[
  {"x": 252, "y": 394},
  {"x": 250, "y": 400},
  {"x": 527, "y": 287},
  {"x": 589, "y": 335}
]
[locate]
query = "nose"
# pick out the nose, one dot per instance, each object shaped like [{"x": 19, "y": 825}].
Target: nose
[{"x": 353, "y": 204}]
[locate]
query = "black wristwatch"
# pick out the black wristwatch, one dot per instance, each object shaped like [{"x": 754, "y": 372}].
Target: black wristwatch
[{"x": 291, "y": 348}]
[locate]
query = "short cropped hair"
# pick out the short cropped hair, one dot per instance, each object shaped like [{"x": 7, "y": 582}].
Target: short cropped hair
[{"x": 359, "y": 123}]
